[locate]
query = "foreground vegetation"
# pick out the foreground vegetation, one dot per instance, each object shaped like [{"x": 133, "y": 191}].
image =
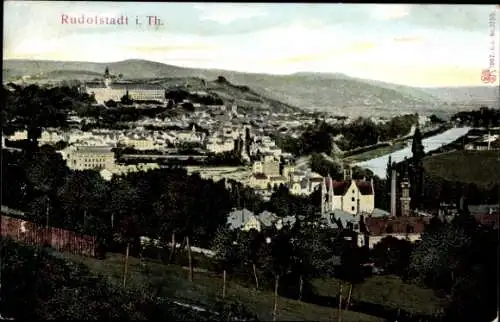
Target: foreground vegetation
[
  {"x": 38, "y": 286},
  {"x": 477, "y": 167},
  {"x": 206, "y": 289}
]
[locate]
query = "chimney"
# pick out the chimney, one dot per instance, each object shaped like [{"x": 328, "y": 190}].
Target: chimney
[
  {"x": 323, "y": 196},
  {"x": 393, "y": 193},
  {"x": 330, "y": 193}
]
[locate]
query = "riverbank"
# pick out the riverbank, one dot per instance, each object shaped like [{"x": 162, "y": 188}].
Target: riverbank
[
  {"x": 375, "y": 151},
  {"x": 378, "y": 164}
]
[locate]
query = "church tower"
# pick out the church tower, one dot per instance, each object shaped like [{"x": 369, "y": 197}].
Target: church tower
[
  {"x": 347, "y": 171},
  {"x": 405, "y": 196}
]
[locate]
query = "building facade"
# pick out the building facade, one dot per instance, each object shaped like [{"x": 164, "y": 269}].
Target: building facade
[
  {"x": 107, "y": 90},
  {"x": 90, "y": 158},
  {"x": 351, "y": 196}
]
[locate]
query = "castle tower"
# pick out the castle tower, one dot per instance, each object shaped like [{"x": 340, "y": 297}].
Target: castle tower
[
  {"x": 405, "y": 196},
  {"x": 107, "y": 78}
]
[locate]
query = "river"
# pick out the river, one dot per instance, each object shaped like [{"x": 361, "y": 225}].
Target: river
[{"x": 379, "y": 165}]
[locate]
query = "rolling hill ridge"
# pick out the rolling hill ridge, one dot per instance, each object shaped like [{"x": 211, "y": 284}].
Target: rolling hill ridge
[{"x": 337, "y": 93}]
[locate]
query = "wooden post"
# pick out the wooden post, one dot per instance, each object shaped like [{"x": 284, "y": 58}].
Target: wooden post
[
  {"x": 276, "y": 285},
  {"x": 172, "y": 249},
  {"x": 339, "y": 317},
  {"x": 126, "y": 265},
  {"x": 254, "y": 267},
  {"x": 189, "y": 259},
  {"x": 349, "y": 297},
  {"x": 47, "y": 213},
  {"x": 301, "y": 287},
  {"x": 224, "y": 284}
]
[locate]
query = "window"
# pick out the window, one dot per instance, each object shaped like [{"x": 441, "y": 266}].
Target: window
[
  {"x": 352, "y": 208},
  {"x": 356, "y": 226},
  {"x": 353, "y": 192},
  {"x": 353, "y": 199}
]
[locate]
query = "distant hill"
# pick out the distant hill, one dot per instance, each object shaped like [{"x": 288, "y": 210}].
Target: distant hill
[
  {"x": 337, "y": 93},
  {"x": 465, "y": 94}
]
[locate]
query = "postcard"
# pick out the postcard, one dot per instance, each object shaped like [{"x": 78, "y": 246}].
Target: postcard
[{"x": 250, "y": 161}]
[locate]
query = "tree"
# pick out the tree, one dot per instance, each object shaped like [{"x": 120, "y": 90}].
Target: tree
[
  {"x": 392, "y": 254},
  {"x": 225, "y": 254},
  {"x": 436, "y": 260},
  {"x": 277, "y": 258},
  {"x": 45, "y": 171},
  {"x": 81, "y": 198},
  {"x": 350, "y": 269},
  {"x": 388, "y": 181},
  {"x": 249, "y": 246},
  {"x": 418, "y": 153},
  {"x": 111, "y": 103},
  {"x": 221, "y": 79},
  {"x": 188, "y": 106},
  {"x": 123, "y": 205},
  {"x": 126, "y": 100}
]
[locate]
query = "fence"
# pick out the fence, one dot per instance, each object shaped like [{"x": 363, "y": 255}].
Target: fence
[{"x": 33, "y": 234}]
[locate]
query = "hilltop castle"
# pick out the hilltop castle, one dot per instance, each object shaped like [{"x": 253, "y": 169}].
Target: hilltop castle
[{"x": 107, "y": 89}]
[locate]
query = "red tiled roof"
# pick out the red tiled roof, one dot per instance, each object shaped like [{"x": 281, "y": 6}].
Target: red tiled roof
[
  {"x": 365, "y": 187},
  {"x": 488, "y": 219},
  {"x": 397, "y": 225},
  {"x": 340, "y": 187}
]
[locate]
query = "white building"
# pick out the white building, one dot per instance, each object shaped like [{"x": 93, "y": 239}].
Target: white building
[
  {"x": 107, "y": 90},
  {"x": 351, "y": 196},
  {"x": 19, "y": 136},
  {"x": 219, "y": 145},
  {"x": 90, "y": 158}
]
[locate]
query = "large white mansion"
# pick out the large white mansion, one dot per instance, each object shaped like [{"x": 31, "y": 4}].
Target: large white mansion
[{"x": 107, "y": 90}]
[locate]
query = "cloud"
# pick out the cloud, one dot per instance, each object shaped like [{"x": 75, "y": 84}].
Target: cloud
[
  {"x": 171, "y": 48},
  {"x": 391, "y": 11},
  {"x": 354, "y": 48},
  {"x": 227, "y": 13},
  {"x": 406, "y": 39}
]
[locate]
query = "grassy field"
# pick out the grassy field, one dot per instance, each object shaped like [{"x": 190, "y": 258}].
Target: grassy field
[
  {"x": 389, "y": 291},
  {"x": 478, "y": 167},
  {"x": 206, "y": 287},
  {"x": 372, "y": 154}
]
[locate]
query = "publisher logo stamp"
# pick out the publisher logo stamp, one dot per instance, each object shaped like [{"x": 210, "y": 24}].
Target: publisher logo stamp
[{"x": 489, "y": 75}]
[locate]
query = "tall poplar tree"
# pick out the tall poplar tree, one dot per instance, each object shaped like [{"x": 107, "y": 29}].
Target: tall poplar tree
[
  {"x": 417, "y": 173},
  {"x": 388, "y": 174}
]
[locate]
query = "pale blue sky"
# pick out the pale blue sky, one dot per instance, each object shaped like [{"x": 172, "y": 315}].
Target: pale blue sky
[{"x": 420, "y": 45}]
